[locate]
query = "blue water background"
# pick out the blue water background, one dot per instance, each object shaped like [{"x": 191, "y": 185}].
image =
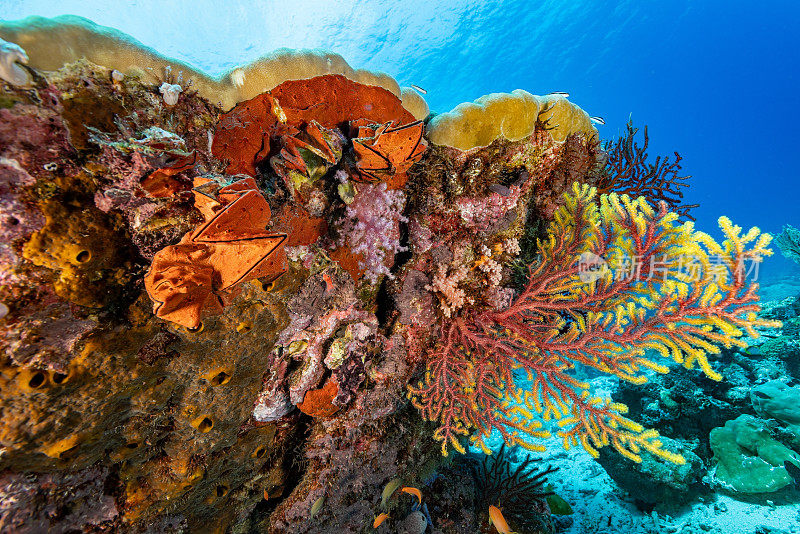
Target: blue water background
[{"x": 715, "y": 80}]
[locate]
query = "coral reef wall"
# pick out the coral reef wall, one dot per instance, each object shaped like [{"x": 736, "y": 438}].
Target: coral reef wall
[
  {"x": 216, "y": 293},
  {"x": 285, "y": 388}
]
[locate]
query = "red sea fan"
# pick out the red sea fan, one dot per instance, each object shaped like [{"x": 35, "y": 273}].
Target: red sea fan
[{"x": 660, "y": 288}]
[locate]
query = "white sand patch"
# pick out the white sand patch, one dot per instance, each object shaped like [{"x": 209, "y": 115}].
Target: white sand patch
[{"x": 601, "y": 507}]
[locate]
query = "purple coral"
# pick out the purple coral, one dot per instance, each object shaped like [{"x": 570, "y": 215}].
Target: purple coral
[{"x": 372, "y": 227}]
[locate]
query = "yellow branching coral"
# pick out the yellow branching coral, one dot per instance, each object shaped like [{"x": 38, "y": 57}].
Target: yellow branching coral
[{"x": 618, "y": 286}]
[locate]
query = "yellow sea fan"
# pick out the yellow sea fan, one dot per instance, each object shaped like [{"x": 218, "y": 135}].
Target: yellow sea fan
[{"x": 680, "y": 296}]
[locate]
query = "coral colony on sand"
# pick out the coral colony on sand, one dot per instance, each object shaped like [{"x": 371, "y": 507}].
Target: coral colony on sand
[{"x": 219, "y": 295}]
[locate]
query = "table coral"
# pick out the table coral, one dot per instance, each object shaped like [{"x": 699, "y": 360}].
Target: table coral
[
  {"x": 511, "y": 116},
  {"x": 53, "y": 42}
]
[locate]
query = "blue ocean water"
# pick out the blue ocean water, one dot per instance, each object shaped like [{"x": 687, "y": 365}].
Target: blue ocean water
[{"x": 716, "y": 81}]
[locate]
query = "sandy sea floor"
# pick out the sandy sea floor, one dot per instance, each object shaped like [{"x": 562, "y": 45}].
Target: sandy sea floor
[{"x": 600, "y": 506}]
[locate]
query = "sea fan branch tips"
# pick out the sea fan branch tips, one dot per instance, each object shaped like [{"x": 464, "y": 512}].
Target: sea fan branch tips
[
  {"x": 629, "y": 171},
  {"x": 662, "y": 289}
]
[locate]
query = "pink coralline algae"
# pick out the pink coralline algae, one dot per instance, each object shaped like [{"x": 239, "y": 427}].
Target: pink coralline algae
[
  {"x": 322, "y": 308},
  {"x": 479, "y": 213},
  {"x": 371, "y": 432},
  {"x": 152, "y": 183},
  {"x": 314, "y": 343},
  {"x": 414, "y": 302},
  {"x": 55, "y": 502},
  {"x": 17, "y": 220},
  {"x": 35, "y": 137},
  {"x": 372, "y": 228},
  {"x": 45, "y": 336}
]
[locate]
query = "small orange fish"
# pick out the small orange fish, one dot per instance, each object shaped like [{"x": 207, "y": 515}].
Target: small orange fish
[
  {"x": 328, "y": 282},
  {"x": 496, "y": 518},
  {"x": 413, "y": 491},
  {"x": 266, "y": 495},
  {"x": 380, "y": 519}
]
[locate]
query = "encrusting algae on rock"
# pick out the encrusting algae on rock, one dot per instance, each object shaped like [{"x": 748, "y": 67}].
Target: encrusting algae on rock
[{"x": 218, "y": 298}]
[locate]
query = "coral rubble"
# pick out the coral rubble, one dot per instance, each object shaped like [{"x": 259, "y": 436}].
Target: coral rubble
[{"x": 219, "y": 295}]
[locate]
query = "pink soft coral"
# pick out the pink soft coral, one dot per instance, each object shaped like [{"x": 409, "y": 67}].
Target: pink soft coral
[
  {"x": 481, "y": 212},
  {"x": 372, "y": 227}
]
